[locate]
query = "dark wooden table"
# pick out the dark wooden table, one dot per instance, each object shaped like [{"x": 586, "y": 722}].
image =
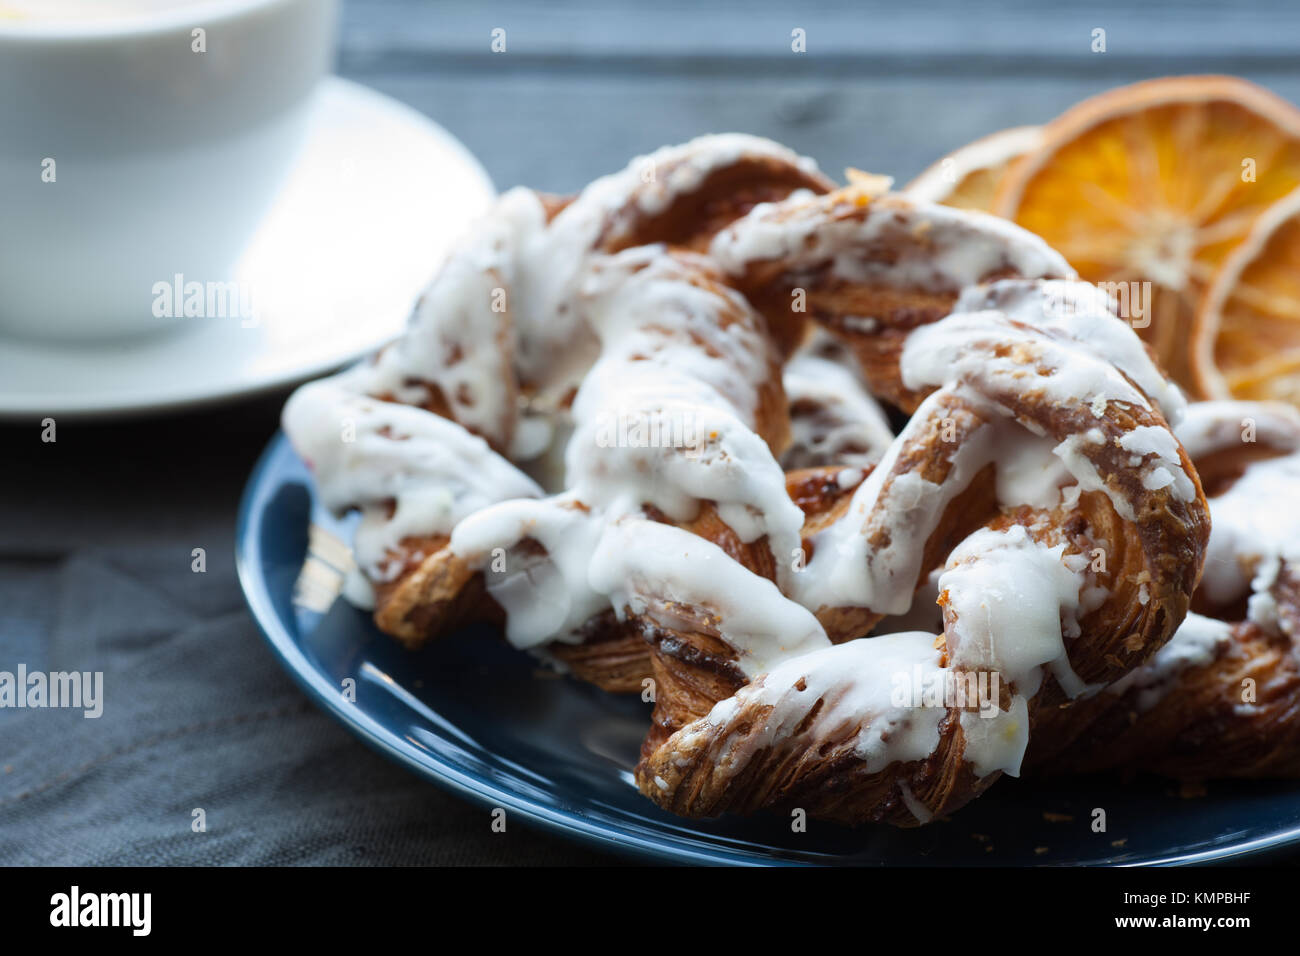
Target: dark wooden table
[{"x": 886, "y": 87}]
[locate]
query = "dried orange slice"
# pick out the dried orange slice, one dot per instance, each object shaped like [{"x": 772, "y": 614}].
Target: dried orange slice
[
  {"x": 968, "y": 177},
  {"x": 1247, "y": 335},
  {"x": 1157, "y": 182}
]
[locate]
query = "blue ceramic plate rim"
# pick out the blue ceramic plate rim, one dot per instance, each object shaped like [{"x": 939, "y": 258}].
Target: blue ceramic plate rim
[{"x": 601, "y": 834}]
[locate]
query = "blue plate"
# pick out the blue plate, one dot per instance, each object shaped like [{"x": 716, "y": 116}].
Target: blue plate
[{"x": 473, "y": 715}]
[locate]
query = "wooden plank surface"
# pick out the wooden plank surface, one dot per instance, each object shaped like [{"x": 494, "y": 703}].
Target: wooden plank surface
[{"x": 583, "y": 86}]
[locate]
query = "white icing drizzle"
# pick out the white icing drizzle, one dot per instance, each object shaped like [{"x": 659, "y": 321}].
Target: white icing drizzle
[
  {"x": 1262, "y": 607},
  {"x": 645, "y": 343},
  {"x": 1253, "y": 523},
  {"x": 656, "y": 319},
  {"x": 856, "y": 683},
  {"x": 462, "y": 334},
  {"x": 501, "y": 324},
  {"x": 556, "y": 347},
  {"x": 1086, "y": 315},
  {"x": 1007, "y": 596},
  {"x": 920, "y": 812},
  {"x": 951, "y": 249},
  {"x": 545, "y": 597},
  {"x": 1159, "y": 450},
  {"x": 834, "y": 420},
  {"x": 642, "y": 563},
  {"x": 998, "y": 743},
  {"x": 1012, "y": 602},
  {"x": 1030, "y": 472},
  {"x": 1246, "y": 530},
  {"x": 1250, "y": 536},
  {"x": 654, "y": 181},
  {"x": 1215, "y": 426},
  {"x": 367, "y": 453},
  {"x": 501, "y": 309},
  {"x": 1194, "y": 644},
  {"x": 961, "y": 348},
  {"x": 688, "y": 386},
  {"x": 1083, "y": 356},
  {"x": 845, "y": 570}
]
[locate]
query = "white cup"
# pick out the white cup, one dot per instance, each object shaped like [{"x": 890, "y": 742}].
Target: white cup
[{"x": 142, "y": 140}]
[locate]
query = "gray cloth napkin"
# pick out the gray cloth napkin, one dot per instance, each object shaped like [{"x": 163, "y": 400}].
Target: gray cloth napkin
[{"x": 97, "y": 530}]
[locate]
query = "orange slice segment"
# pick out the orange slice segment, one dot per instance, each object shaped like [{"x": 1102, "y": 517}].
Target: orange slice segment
[
  {"x": 1156, "y": 183},
  {"x": 968, "y": 178},
  {"x": 1247, "y": 334}
]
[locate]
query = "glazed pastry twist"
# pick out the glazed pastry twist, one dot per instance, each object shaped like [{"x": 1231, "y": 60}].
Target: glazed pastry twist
[
  {"x": 1053, "y": 452},
  {"x": 497, "y": 344},
  {"x": 678, "y": 546},
  {"x": 1222, "y": 698}
]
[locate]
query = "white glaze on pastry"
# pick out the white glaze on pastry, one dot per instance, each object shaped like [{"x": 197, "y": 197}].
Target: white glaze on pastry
[
  {"x": 648, "y": 342},
  {"x": 834, "y": 420}
]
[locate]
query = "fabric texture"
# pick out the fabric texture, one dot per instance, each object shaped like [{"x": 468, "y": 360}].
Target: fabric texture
[{"x": 97, "y": 531}]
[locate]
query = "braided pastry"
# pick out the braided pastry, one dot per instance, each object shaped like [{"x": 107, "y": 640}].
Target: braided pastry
[
  {"x": 734, "y": 518},
  {"x": 1222, "y": 698},
  {"x": 497, "y": 345},
  {"x": 1054, "y": 453}
]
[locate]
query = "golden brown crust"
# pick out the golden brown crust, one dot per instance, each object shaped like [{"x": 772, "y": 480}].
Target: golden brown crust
[
  {"x": 611, "y": 654},
  {"x": 426, "y": 599},
  {"x": 723, "y": 196},
  {"x": 432, "y": 595},
  {"x": 689, "y": 762},
  {"x": 772, "y": 412},
  {"x": 872, "y": 316},
  {"x": 821, "y": 775},
  {"x": 434, "y": 591},
  {"x": 694, "y": 667},
  {"x": 734, "y": 763},
  {"x": 1235, "y": 715}
]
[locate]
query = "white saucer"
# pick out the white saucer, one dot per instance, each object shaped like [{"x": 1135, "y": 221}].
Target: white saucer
[{"x": 358, "y": 230}]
